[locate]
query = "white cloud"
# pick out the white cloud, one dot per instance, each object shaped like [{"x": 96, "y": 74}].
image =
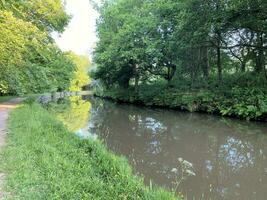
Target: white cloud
[{"x": 80, "y": 35}]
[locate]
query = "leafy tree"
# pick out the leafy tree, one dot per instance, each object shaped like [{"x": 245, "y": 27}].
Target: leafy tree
[
  {"x": 47, "y": 15},
  {"x": 29, "y": 59},
  {"x": 17, "y": 36},
  {"x": 149, "y": 40},
  {"x": 81, "y": 78}
]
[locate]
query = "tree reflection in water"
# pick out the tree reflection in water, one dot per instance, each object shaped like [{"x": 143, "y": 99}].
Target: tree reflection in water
[
  {"x": 73, "y": 111},
  {"x": 229, "y": 156}
]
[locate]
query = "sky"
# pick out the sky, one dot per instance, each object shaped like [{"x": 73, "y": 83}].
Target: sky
[{"x": 79, "y": 36}]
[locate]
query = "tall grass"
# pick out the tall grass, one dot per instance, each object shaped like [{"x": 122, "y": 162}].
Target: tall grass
[{"x": 45, "y": 161}]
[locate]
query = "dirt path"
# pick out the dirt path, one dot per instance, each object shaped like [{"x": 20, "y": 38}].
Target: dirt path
[{"x": 5, "y": 109}]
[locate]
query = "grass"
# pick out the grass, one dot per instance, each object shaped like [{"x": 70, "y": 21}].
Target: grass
[
  {"x": 45, "y": 161},
  {"x": 5, "y": 98}
]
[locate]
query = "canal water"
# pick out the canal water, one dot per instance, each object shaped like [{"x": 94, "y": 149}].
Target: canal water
[{"x": 228, "y": 156}]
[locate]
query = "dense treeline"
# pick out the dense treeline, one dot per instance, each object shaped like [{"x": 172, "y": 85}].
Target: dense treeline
[
  {"x": 30, "y": 61},
  {"x": 141, "y": 39},
  {"x": 215, "y": 45}
]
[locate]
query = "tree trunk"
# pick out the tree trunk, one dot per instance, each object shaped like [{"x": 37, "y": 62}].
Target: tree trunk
[
  {"x": 136, "y": 78},
  {"x": 219, "y": 37},
  {"x": 219, "y": 64},
  {"x": 243, "y": 60},
  {"x": 259, "y": 56},
  {"x": 265, "y": 72},
  {"x": 171, "y": 72},
  {"x": 243, "y": 66},
  {"x": 125, "y": 83},
  {"x": 205, "y": 61},
  {"x": 168, "y": 74}
]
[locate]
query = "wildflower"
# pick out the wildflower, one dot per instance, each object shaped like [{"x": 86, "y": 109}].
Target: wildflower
[
  {"x": 174, "y": 170},
  {"x": 190, "y": 173},
  {"x": 187, "y": 164}
]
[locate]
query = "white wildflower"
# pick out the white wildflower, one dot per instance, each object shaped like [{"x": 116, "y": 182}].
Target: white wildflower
[
  {"x": 190, "y": 173},
  {"x": 174, "y": 170},
  {"x": 187, "y": 164}
]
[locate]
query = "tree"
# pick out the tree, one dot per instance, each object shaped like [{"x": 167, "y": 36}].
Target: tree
[
  {"x": 82, "y": 64},
  {"x": 30, "y": 61},
  {"x": 47, "y": 15},
  {"x": 144, "y": 41}
]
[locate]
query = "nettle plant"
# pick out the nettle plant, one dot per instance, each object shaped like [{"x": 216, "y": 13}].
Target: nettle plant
[{"x": 184, "y": 170}]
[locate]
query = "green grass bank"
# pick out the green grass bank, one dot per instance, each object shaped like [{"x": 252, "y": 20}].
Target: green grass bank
[{"x": 43, "y": 160}]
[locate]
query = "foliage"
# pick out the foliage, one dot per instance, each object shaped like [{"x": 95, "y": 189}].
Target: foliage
[
  {"x": 30, "y": 62},
  {"x": 31, "y": 99},
  {"x": 242, "y": 102},
  {"x": 45, "y": 161},
  {"x": 193, "y": 55},
  {"x": 81, "y": 77},
  {"x": 150, "y": 40},
  {"x": 16, "y": 36},
  {"x": 47, "y": 15}
]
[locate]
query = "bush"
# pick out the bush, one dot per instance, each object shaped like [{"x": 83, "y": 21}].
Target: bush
[
  {"x": 242, "y": 102},
  {"x": 30, "y": 100}
]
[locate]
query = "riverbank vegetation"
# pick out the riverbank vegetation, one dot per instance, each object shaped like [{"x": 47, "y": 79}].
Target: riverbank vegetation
[
  {"x": 192, "y": 55},
  {"x": 46, "y": 161},
  {"x": 5, "y": 98},
  {"x": 30, "y": 61},
  {"x": 234, "y": 101}
]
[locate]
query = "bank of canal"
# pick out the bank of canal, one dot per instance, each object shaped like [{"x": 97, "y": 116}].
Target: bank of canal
[{"x": 229, "y": 156}]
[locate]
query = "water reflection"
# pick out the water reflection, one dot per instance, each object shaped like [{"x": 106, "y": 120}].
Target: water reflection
[
  {"x": 229, "y": 156},
  {"x": 73, "y": 112}
]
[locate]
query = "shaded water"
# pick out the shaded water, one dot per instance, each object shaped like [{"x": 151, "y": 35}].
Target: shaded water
[{"x": 229, "y": 156}]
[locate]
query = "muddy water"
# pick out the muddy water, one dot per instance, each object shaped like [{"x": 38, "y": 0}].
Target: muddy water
[{"x": 229, "y": 156}]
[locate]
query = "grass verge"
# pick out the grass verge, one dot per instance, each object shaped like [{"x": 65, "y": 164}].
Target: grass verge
[
  {"x": 5, "y": 98},
  {"x": 45, "y": 161}
]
